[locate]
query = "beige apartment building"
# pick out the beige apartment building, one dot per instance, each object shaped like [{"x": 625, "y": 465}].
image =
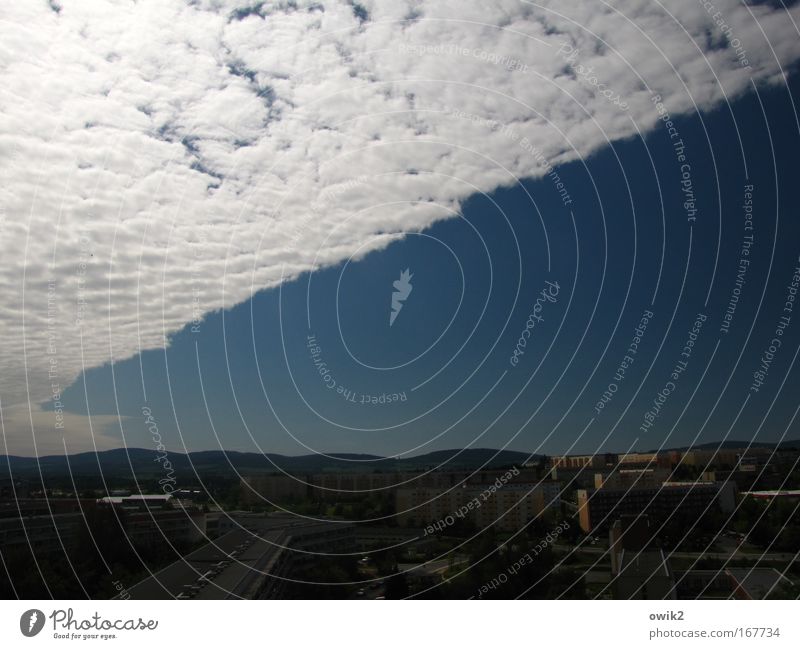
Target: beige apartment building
[{"x": 509, "y": 507}]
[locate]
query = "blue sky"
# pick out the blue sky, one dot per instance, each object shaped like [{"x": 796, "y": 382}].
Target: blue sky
[
  {"x": 269, "y": 170},
  {"x": 246, "y": 377}
]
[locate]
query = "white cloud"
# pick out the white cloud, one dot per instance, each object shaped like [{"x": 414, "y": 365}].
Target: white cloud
[
  {"x": 45, "y": 433},
  {"x": 156, "y": 148}
]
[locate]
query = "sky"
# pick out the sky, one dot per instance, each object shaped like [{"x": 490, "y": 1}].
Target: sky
[{"x": 208, "y": 208}]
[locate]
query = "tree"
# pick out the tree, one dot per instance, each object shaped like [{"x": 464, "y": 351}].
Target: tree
[{"x": 397, "y": 587}]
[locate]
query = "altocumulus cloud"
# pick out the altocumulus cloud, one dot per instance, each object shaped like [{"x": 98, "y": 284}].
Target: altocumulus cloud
[{"x": 163, "y": 156}]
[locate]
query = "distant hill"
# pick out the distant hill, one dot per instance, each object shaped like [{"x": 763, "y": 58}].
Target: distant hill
[
  {"x": 143, "y": 463},
  {"x": 711, "y": 446}
]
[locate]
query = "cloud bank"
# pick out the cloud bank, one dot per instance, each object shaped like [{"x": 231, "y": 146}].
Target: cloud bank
[{"x": 162, "y": 159}]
